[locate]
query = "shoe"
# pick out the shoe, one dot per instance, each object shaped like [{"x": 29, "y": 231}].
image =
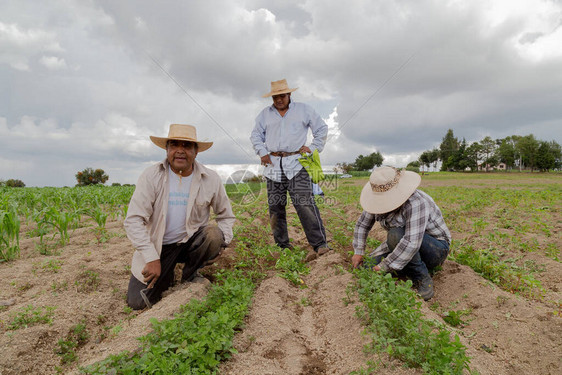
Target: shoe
[
  {"x": 193, "y": 278},
  {"x": 424, "y": 287},
  {"x": 323, "y": 250},
  {"x": 311, "y": 256}
]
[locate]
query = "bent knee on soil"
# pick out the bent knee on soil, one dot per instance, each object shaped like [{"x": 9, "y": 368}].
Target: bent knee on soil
[{"x": 214, "y": 235}]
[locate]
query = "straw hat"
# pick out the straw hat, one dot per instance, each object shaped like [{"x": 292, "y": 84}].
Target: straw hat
[
  {"x": 181, "y": 132},
  {"x": 388, "y": 188},
  {"x": 279, "y": 87}
]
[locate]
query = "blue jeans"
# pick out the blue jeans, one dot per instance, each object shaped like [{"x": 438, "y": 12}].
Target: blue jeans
[
  {"x": 432, "y": 253},
  {"x": 300, "y": 190}
]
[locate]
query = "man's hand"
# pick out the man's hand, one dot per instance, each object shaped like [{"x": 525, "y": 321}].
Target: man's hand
[
  {"x": 265, "y": 160},
  {"x": 151, "y": 272},
  {"x": 304, "y": 149},
  {"x": 356, "y": 260}
]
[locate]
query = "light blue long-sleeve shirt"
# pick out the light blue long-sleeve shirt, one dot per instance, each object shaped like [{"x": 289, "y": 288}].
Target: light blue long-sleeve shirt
[{"x": 273, "y": 133}]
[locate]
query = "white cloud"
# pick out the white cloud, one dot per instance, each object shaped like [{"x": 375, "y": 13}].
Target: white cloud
[
  {"x": 19, "y": 45},
  {"x": 388, "y": 76},
  {"x": 53, "y": 62}
]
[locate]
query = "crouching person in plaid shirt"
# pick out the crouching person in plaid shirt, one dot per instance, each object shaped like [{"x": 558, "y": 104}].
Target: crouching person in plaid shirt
[{"x": 418, "y": 239}]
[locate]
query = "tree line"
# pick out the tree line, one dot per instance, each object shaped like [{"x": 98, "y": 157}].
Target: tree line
[
  {"x": 86, "y": 177},
  {"x": 514, "y": 152},
  {"x": 362, "y": 163}
]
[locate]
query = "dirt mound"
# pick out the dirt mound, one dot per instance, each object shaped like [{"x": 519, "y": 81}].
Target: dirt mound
[
  {"x": 504, "y": 333},
  {"x": 292, "y": 330},
  {"x": 310, "y": 330},
  {"x": 141, "y": 325}
]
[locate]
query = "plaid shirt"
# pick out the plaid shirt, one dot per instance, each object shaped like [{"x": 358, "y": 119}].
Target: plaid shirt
[{"x": 418, "y": 215}]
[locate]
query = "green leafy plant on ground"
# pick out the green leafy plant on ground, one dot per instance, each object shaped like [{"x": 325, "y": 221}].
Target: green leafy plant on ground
[
  {"x": 507, "y": 275},
  {"x": 395, "y": 323},
  {"x": 292, "y": 266},
  {"x": 52, "y": 265},
  {"x": 454, "y": 317},
  {"x": 195, "y": 341},
  {"x": 9, "y": 234},
  {"x": 30, "y": 316},
  {"x": 87, "y": 281},
  {"x": 66, "y": 348},
  {"x": 100, "y": 217}
]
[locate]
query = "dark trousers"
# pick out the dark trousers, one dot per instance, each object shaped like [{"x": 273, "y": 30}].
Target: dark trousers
[
  {"x": 300, "y": 191},
  {"x": 432, "y": 253},
  {"x": 203, "y": 246}
]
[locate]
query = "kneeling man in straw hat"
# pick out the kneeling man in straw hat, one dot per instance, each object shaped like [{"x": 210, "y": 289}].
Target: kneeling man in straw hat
[
  {"x": 168, "y": 217},
  {"x": 418, "y": 239}
]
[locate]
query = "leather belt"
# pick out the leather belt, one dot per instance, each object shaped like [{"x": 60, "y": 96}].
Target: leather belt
[{"x": 283, "y": 154}]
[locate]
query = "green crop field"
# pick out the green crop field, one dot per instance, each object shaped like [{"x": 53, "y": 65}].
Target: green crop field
[{"x": 64, "y": 267}]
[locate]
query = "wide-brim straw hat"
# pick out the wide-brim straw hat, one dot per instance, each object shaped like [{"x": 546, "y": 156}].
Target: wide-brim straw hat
[
  {"x": 181, "y": 132},
  {"x": 279, "y": 87},
  {"x": 388, "y": 188}
]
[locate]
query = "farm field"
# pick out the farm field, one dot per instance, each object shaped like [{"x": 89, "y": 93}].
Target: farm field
[{"x": 62, "y": 305}]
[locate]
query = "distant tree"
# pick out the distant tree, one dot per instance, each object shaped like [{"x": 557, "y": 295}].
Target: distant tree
[
  {"x": 424, "y": 159},
  {"x": 548, "y": 155},
  {"x": 556, "y": 149},
  {"x": 457, "y": 160},
  {"x": 488, "y": 152},
  {"x": 434, "y": 157},
  {"x": 413, "y": 166},
  {"x": 343, "y": 167},
  {"x": 506, "y": 151},
  {"x": 471, "y": 156},
  {"x": 448, "y": 147},
  {"x": 14, "y": 183},
  {"x": 91, "y": 177},
  {"x": 364, "y": 163},
  {"x": 527, "y": 147}
]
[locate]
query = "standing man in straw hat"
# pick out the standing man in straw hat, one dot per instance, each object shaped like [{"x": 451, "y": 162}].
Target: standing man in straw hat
[
  {"x": 279, "y": 138},
  {"x": 168, "y": 217},
  {"x": 418, "y": 239}
]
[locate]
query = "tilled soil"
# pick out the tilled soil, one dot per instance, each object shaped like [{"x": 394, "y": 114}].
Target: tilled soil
[{"x": 289, "y": 330}]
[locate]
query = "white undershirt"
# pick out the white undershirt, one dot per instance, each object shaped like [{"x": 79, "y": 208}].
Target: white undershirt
[{"x": 177, "y": 207}]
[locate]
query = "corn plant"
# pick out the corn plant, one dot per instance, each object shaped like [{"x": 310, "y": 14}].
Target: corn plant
[
  {"x": 61, "y": 220},
  {"x": 100, "y": 217},
  {"x": 9, "y": 234}
]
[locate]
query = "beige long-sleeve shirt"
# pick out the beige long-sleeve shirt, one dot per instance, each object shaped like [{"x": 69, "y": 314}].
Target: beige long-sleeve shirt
[{"x": 146, "y": 217}]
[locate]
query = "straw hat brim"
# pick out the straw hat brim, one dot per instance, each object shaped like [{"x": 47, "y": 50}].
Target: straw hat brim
[
  {"x": 284, "y": 91},
  {"x": 383, "y": 202},
  {"x": 162, "y": 141}
]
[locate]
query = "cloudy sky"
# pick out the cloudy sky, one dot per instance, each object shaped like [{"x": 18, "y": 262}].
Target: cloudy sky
[{"x": 84, "y": 83}]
